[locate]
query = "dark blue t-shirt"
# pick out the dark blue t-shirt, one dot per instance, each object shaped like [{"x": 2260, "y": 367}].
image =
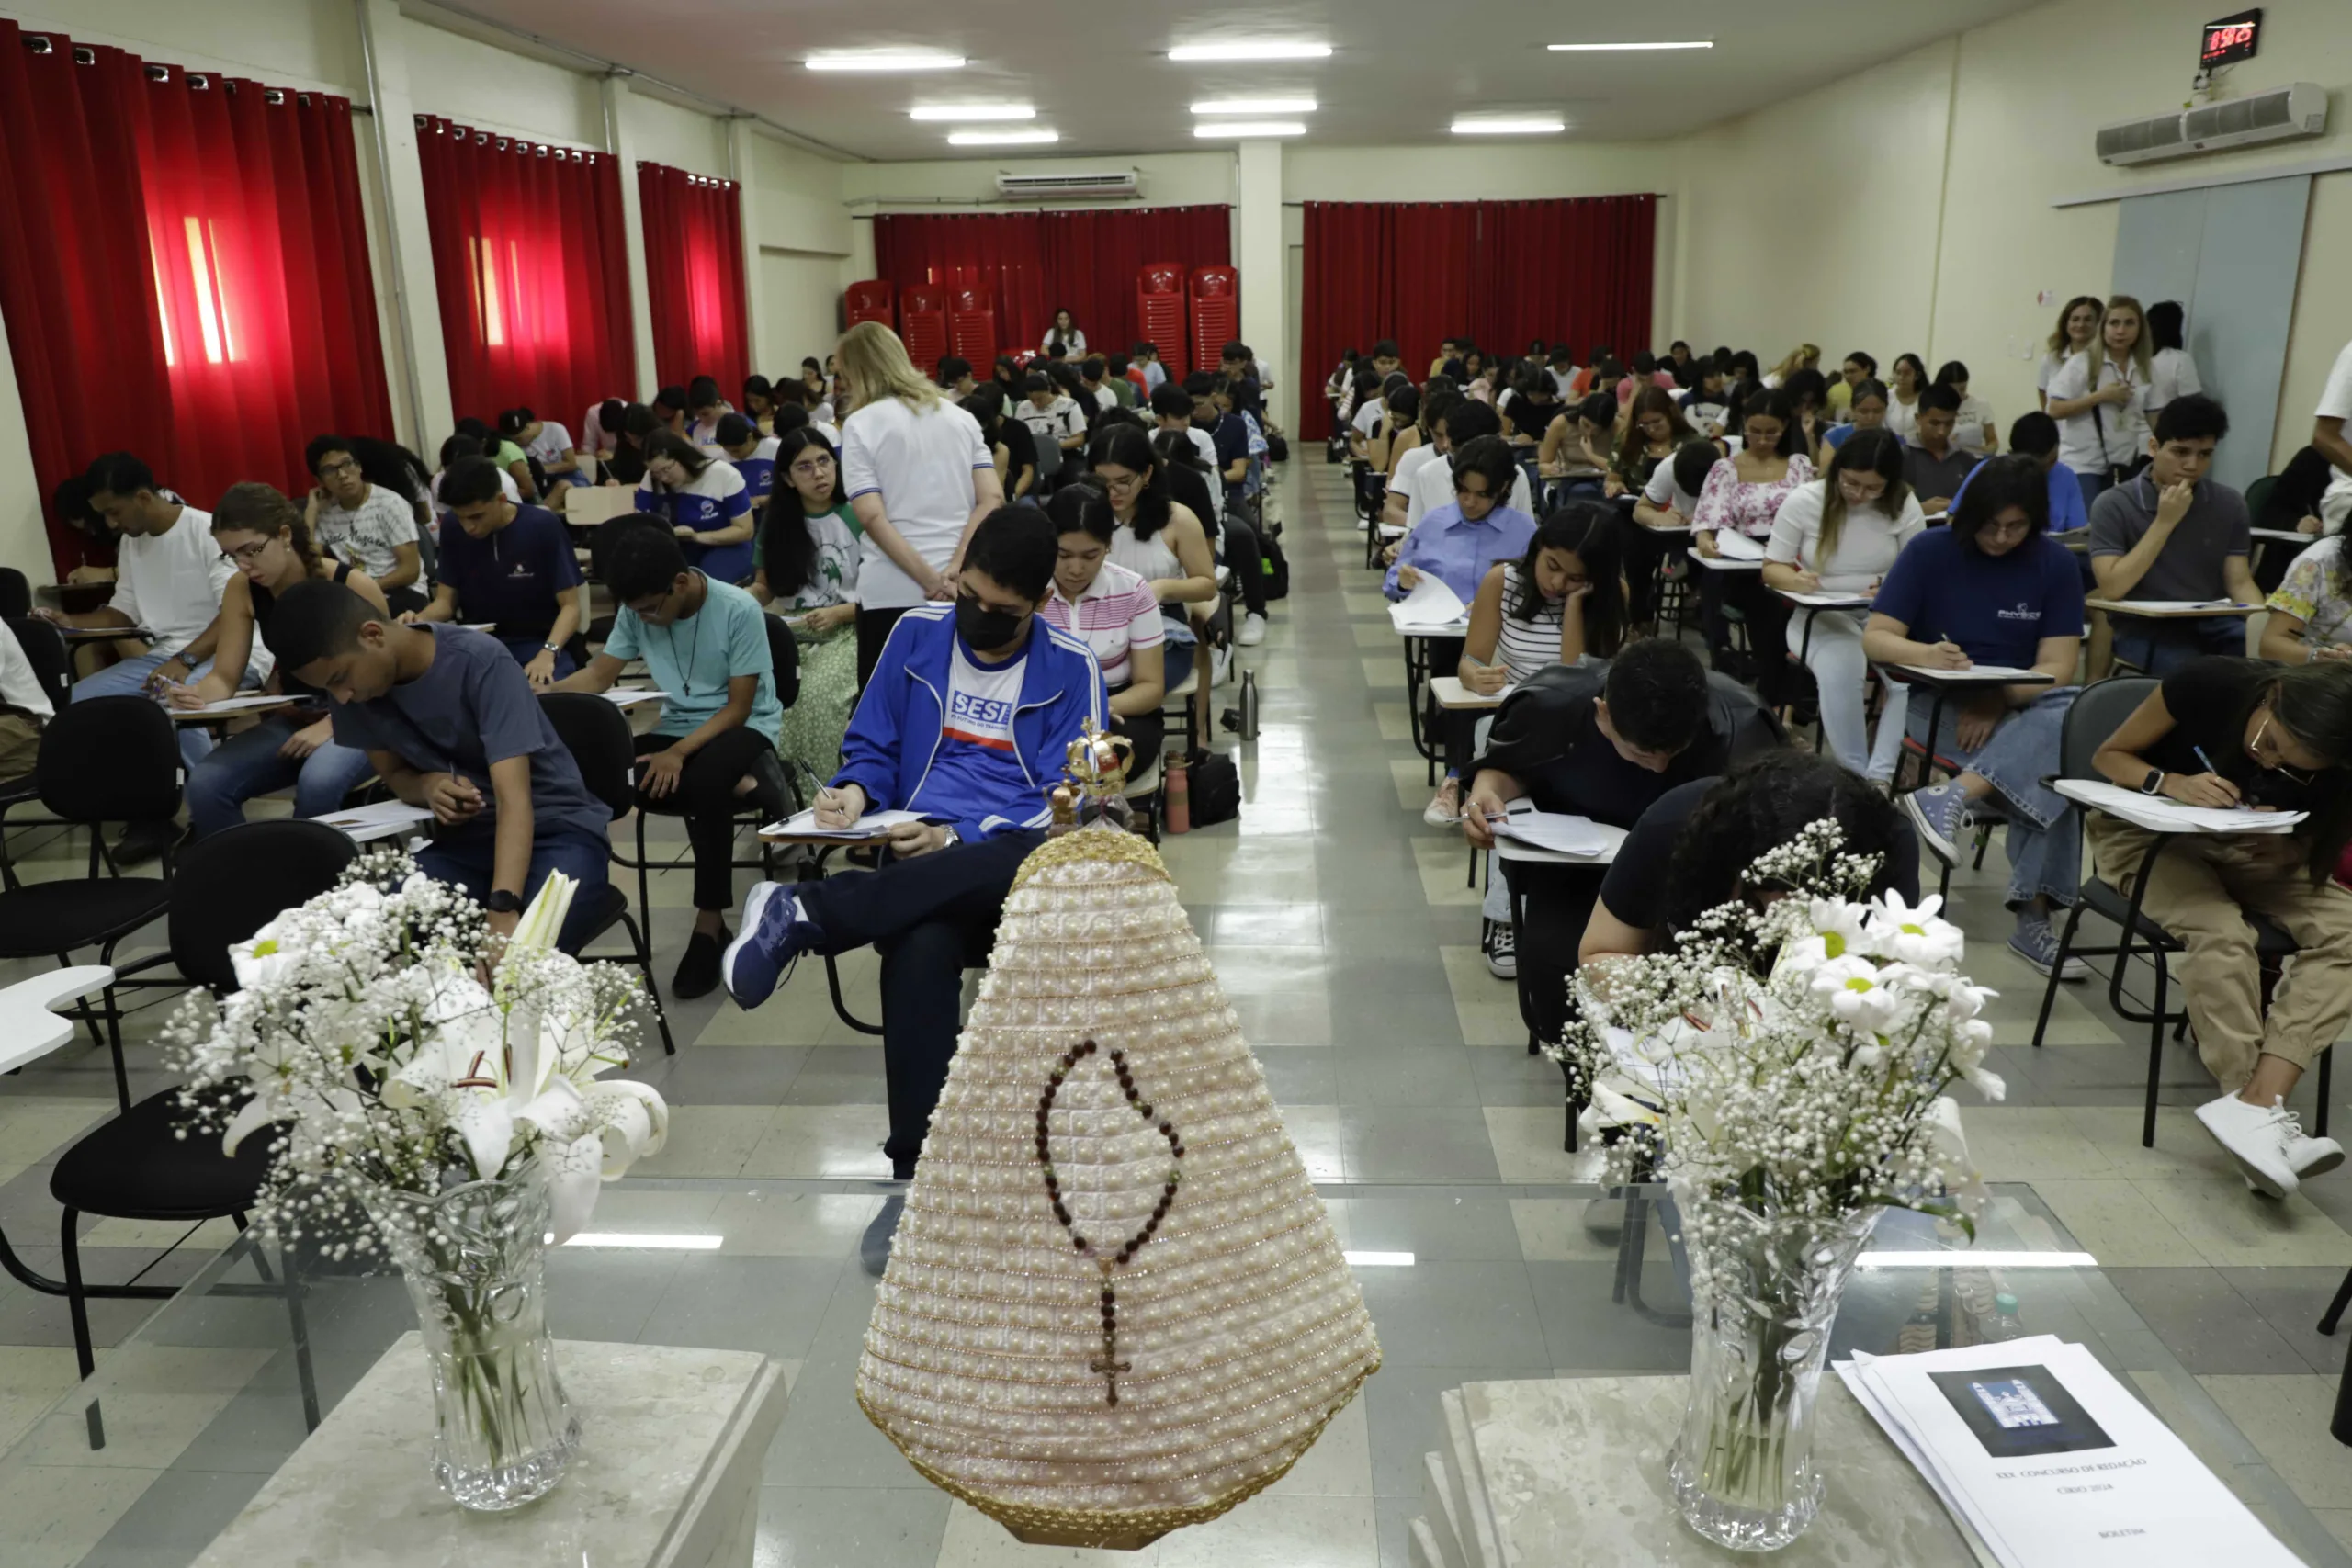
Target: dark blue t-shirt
[
  {"x": 1998, "y": 608},
  {"x": 1231, "y": 434},
  {"x": 513, "y": 576},
  {"x": 471, "y": 707}
]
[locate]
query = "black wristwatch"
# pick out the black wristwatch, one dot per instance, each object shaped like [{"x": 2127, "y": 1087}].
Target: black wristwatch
[
  {"x": 501, "y": 902},
  {"x": 2154, "y": 783}
]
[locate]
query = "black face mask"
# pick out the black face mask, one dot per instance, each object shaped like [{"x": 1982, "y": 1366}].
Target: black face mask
[{"x": 985, "y": 629}]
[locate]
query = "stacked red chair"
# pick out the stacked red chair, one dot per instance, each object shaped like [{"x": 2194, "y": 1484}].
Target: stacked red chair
[
  {"x": 1216, "y": 312},
  {"x": 868, "y": 301},
  {"x": 971, "y": 327},
  {"x": 1159, "y": 306},
  {"x": 923, "y": 323}
]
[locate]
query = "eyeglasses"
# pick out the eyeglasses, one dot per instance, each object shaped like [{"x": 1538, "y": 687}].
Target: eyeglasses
[
  {"x": 813, "y": 469},
  {"x": 340, "y": 466},
  {"x": 1128, "y": 482},
  {"x": 2272, "y": 764},
  {"x": 245, "y": 555}
]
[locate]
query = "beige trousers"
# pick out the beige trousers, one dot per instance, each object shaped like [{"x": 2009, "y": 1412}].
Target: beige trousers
[{"x": 2203, "y": 890}]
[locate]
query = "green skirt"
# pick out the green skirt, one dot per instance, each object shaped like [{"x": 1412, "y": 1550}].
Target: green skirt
[{"x": 811, "y": 740}]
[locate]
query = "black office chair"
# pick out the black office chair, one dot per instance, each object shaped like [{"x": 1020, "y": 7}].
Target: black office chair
[
  {"x": 106, "y": 760},
  {"x": 52, "y": 665},
  {"x": 2097, "y": 714},
  {"x": 777, "y": 793},
  {"x": 597, "y": 735},
  {"x": 137, "y": 1167}
]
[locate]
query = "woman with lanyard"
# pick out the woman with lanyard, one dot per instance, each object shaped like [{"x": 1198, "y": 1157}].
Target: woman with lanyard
[
  {"x": 920, "y": 476},
  {"x": 263, "y": 536},
  {"x": 1064, "y": 341},
  {"x": 703, "y": 500},
  {"x": 2099, "y": 401},
  {"x": 805, "y": 563},
  {"x": 2227, "y": 733}
]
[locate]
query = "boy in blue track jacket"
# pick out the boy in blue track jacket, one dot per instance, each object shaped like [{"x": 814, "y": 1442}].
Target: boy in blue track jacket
[{"x": 968, "y": 719}]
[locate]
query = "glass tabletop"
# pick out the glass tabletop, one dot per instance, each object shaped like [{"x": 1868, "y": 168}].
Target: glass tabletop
[{"x": 200, "y": 1406}]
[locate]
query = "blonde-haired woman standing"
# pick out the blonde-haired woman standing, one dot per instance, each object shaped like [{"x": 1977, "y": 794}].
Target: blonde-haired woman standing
[
  {"x": 1804, "y": 356},
  {"x": 2099, "y": 400},
  {"x": 920, "y": 477}
]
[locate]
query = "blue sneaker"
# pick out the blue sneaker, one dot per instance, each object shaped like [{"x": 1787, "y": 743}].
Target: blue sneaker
[
  {"x": 1942, "y": 816},
  {"x": 773, "y": 936}
]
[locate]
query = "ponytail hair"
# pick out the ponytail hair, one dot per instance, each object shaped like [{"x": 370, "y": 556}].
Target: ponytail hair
[{"x": 253, "y": 507}]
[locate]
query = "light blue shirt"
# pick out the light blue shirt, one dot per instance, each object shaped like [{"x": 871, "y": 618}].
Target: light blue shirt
[
  {"x": 2066, "y": 512},
  {"x": 1448, "y": 547},
  {"x": 694, "y": 659}
]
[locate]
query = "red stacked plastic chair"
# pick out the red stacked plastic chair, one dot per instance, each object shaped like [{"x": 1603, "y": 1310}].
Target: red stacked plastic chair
[
  {"x": 868, "y": 301},
  {"x": 1216, "y": 312},
  {"x": 923, "y": 323},
  {"x": 971, "y": 327},
  {"x": 1159, "y": 306}
]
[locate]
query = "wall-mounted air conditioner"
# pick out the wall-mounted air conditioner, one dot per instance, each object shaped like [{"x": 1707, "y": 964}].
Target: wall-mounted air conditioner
[
  {"x": 1095, "y": 183},
  {"x": 2282, "y": 114}
]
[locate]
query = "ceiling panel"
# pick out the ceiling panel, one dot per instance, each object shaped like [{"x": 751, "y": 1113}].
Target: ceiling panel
[{"x": 1097, "y": 70}]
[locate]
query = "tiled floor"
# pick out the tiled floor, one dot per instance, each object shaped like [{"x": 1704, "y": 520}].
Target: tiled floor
[{"x": 1344, "y": 935}]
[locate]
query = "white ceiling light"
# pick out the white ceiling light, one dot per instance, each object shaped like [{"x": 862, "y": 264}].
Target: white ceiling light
[
  {"x": 1002, "y": 138},
  {"x": 1521, "y": 125},
  {"x": 1614, "y": 48},
  {"x": 972, "y": 112},
  {"x": 1251, "y": 52},
  {"x": 887, "y": 60},
  {"x": 1255, "y": 106},
  {"x": 1246, "y": 129}
]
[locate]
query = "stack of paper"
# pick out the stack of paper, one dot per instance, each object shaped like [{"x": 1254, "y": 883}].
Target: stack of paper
[
  {"x": 385, "y": 819},
  {"x": 1561, "y": 834},
  {"x": 1430, "y": 606},
  {"x": 2159, "y": 813},
  {"x": 2036, "y": 1446},
  {"x": 629, "y": 696},
  {"x": 234, "y": 705},
  {"x": 2004, "y": 673},
  {"x": 872, "y": 825},
  {"x": 1829, "y": 599},
  {"x": 1738, "y": 547}
]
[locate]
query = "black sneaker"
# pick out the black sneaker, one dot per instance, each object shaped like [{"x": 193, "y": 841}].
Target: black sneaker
[
  {"x": 874, "y": 1246},
  {"x": 697, "y": 973},
  {"x": 1502, "y": 950},
  {"x": 143, "y": 841}
]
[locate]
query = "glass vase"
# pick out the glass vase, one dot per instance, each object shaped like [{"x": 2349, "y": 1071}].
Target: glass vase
[
  {"x": 1765, "y": 1290},
  {"x": 474, "y": 1257}
]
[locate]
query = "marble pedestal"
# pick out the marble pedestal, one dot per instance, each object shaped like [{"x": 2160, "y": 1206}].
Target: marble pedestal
[
  {"x": 672, "y": 1445},
  {"x": 1572, "y": 1471}
]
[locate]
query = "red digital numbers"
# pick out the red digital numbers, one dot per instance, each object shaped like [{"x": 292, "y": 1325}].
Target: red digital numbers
[{"x": 2232, "y": 38}]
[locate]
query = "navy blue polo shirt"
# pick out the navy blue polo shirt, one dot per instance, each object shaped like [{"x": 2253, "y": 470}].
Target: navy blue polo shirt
[{"x": 513, "y": 576}]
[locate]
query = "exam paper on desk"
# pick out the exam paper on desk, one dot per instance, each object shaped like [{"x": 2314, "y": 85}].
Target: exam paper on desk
[{"x": 1429, "y": 604}]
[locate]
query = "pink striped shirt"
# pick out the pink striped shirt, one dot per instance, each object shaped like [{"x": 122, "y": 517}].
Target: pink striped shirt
[{"x": 1117, "y": 613}]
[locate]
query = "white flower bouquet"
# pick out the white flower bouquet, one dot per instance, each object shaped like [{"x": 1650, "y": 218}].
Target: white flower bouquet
[
  {"x": 380, "y": 1060},
  {"x": 1791, "y": 1055}
]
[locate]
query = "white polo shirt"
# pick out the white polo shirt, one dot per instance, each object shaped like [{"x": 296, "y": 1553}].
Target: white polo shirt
[
  {"x": 1433, "y": 487},
  {"x": 922, "y": 464},
  {"x": 2125, "y": 425}
]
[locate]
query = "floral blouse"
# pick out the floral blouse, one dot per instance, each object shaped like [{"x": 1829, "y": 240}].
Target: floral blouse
[
  {"x": 2308, "y": 593},
  {"x": 1730, "y": 502}
]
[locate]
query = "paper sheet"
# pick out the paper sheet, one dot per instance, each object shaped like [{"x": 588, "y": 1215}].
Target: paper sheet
[
  {"x": 1552, "y": 830},
  {"x": 2169, "y": 606},
  {"x": 622, "y": 696},
  {"x": 1733, "y": 545},
  {"x": 2158, "y": 814},
  {"x": 1827, "y": 601},
  {"x": 1429, "y": 604},
  {"x": 2006, "y": 672},
  {"x": 872, "y": 825},
  {"x": 385, "y": 819},
  {"x": 234, "y": 705}
]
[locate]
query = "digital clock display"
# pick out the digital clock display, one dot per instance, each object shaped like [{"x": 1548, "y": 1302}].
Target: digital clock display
[{"x": 2232, "y": 38}]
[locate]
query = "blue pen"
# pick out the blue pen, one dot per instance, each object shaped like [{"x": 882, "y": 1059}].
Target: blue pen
[{"x": 2200, "y": 753}]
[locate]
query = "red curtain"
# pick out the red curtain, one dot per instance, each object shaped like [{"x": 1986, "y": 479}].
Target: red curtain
[
  {"x": 1041, "y": 262},
  {"x": 1503, "y": 272},
  {"x": 531, "y": 264},
  {"x": 694, "y": 276},
  {"x": 183, "y": 269}
]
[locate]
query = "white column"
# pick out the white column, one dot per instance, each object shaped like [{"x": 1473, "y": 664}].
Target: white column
[
  {"x": 622, "y": 144},
  {"x": 742, "y": 169},
  {"x": 1261, "y": 258},
  {"x": 408, "y": 238}
]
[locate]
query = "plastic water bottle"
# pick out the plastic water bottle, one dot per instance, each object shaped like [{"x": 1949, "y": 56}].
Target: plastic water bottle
[
  {"x": 2005, "y": 1325},
  {"x": 1177, "y": 807}
]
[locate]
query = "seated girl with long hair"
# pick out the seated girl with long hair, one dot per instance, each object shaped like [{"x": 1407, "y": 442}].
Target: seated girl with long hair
[{"x": 805, "y": 563}]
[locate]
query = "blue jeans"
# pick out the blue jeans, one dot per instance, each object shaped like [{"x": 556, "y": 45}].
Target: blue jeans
[
  {"x": 2094, "y": 485},
  {"x": 128, "y": 679},
  {"x": 2162, "y": 647},
  {"x": 2045, "y": 832},
  {"x": 468, "y": 859},
  {"x": 525, "y": 649},
  {"x": 721, "y": 563},
  {"x": 248, "y": 764}
]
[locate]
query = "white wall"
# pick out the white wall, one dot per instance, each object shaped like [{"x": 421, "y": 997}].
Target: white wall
[{"x": 1837, "y": 217}]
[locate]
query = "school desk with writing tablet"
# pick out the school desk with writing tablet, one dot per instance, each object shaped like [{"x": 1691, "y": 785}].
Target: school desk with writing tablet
[
  {"x": 1944, "y": 683},
  {"x": 1722, "y": 563},
  {"x": 1416, "y": 641},
  {"x": 1514, "y": 852},
  {"x": 2170, "y": 609},
  {"x": 228, "y": 708},
  {"x": 1812, "y": 604},
  {"x": 1455, "y": 697},
  {"x": 105, "y": 634}
]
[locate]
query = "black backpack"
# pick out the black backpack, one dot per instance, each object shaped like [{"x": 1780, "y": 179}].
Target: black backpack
[
  {"x": 1277, "y": 569},
  {"x": 1212, "y": 786}
]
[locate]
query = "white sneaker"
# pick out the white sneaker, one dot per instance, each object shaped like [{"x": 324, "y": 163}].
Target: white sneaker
[
  {"x": 2313, "y": 1156},
  {"x": 1445, "y": 809},
  {"x": 1252, "y": 632},
  {"x": 1221, "y": 667},
  {"x": 2258, "y": 1137}
]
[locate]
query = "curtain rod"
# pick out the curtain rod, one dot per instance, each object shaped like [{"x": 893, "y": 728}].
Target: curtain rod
[{"x": 614, "y": 68}]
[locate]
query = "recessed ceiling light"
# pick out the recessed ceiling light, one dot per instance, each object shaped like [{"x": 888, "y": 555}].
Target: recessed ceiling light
[
  {"x": 1524, "y": 125},
  {"x": 1609, "y": 48},
  {"x": 973, "y": 112},
  {"x": 1255, "y": 106},
  {"x": 1002, "y": 138},
  {"x": 1251, "y": 52},
  {"x": 1242, "y": 129},
  {"x": 887, "y": 60}
]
